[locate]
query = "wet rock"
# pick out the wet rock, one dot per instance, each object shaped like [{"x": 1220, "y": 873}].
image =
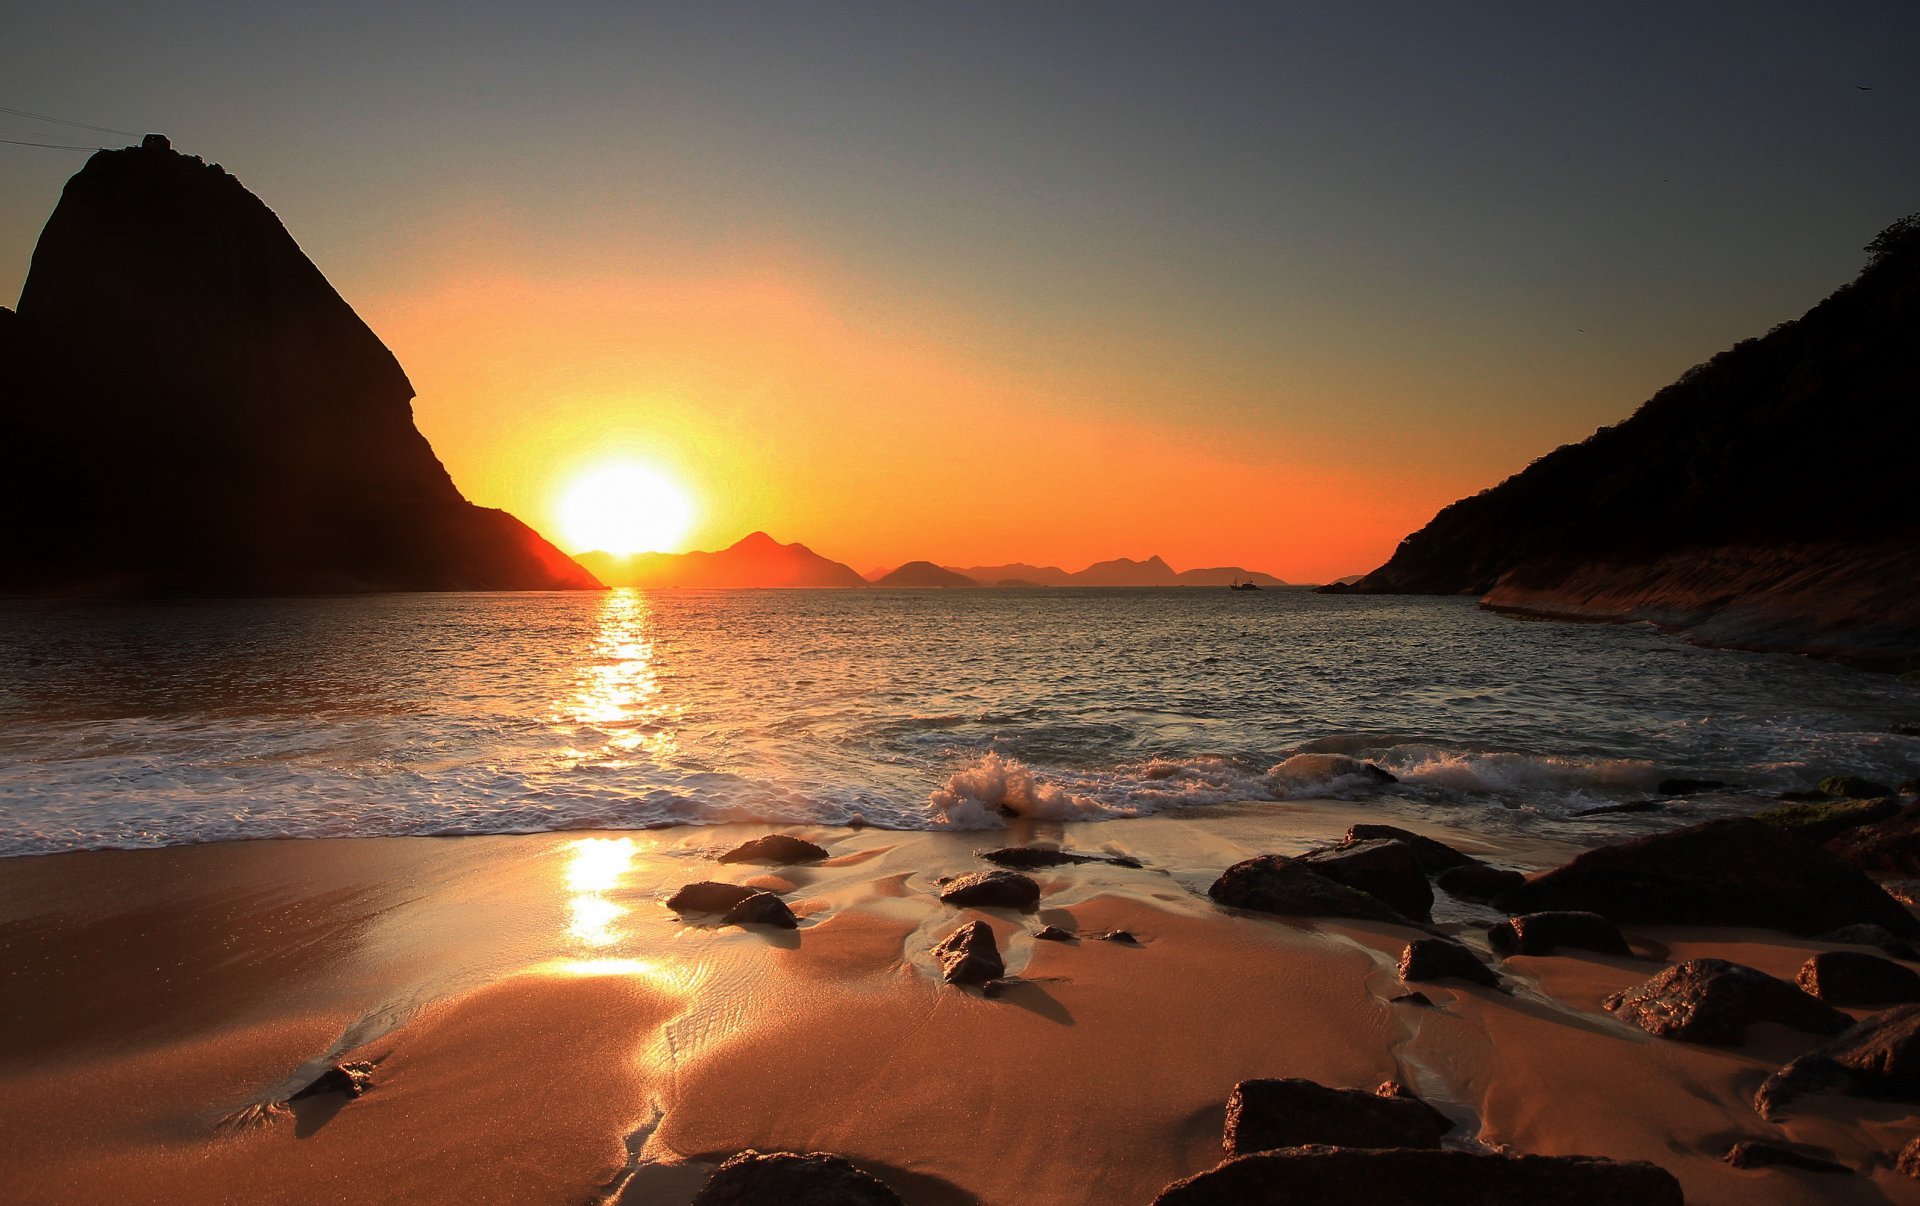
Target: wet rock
[
  {"x": 1053, "y": 933},
  {"x": 1544, "y": 933},
  {"x": 1435, "y": 856},
  {"x": 1610, "y": 809},
  {"x": 1383, "y": 868},
  {"x": 1872, "y": 935},
  {"x": 1687, "y": 787},
  {"x": 1274, "y": 883},
  {"x": 1712, "y": 1001},
  {"x": 351, "y": 1079},
  {"x": 1412, "y": 998},
  {"x": 1444, "y": 959},
  {"x": 991, "y": 890},
  {"x": 1827, "y": 819},
  {"x": 708, "y": 897},
  {"x": 1755, "y": 1153},
  {"x": 1908, "y": 1161},
  {"x": 1265, "y": 1114},
  {"x": 1727, "y": 872},
  {"x": 1857, "y": 978},
  {"x": 1852, "y": 787},
  {"x": 762, "y": 908},
  {"x": 816, "y": 1179},
  {"x": 777, "y": 849},
  {"x": 1878, "y": 1058},
  {"x": 1124, "y": 937},
  {"x": 1477, "y": 882},
  {"x": 969, "y": 955},
  {"x": 1890, "y": 846},
  {"x": 1351, "y": 1176},
  {"x": 1027, "y": 858}
]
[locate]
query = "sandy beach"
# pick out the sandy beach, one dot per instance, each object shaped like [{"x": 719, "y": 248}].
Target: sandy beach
[{"x": 543, "y": 1028}]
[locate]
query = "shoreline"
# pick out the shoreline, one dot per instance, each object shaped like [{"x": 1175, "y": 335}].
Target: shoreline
[{"x": 543, "y": 1028}]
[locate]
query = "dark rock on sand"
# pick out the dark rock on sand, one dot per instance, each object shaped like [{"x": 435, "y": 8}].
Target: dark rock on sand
[
  {"x": 1266, "y": 1114},
  {"x": 1124, "y": 937},
  {"x": 1274, "y": 883},
  {"x": 969, "y": 955},
  {"x": 1444, "y": 959},
  {"x": 1027, "y": 858},
  {"x": 1857, "y": 978},
  {"x": 1687, "y": 787},
  {"x": 1353, "y": 1176},
  {"x": 1878, "y": 1058},
  {"x": 1412, "y": 998},
  {"x": 992, "y": 889},
  {"x": 708, "y": 897},
  {"x": 762, "y": 908},
  {"x": 352, "y": 1079},
  {"x": 1890, "y": 846},
  {"x": 1544, "y": 933},
  {"x": 775, "y": 848},
  {"x": 1712, "y": 1001},
  {"x": 1755, "y": 1153},
  {"x": 1872, "y": 935},
  {"x": 1478, "y": 882},
  {"x": 1384, "y": 868},
  {"x": 1826, "y": 819},
  {"x": 1053, "y": 933},
  {"x": 816, "y": 1179},
  {"x": 1727, "y": 872},
  {"x": 1908, "y": 1161},
  {"x": 1434, "y": 856},
  {"x": 1852, "y": 787}
]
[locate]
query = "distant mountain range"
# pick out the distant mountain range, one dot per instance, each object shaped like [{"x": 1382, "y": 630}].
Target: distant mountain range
[{"x": 759, "y": 560}]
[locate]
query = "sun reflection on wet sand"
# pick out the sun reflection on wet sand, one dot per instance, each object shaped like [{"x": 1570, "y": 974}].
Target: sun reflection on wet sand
[
  {"x": 595, "y": 868},
  {"x": 617, "y": 693}
]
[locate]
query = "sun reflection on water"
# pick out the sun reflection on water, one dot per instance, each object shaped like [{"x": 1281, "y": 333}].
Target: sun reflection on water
[{"x": 617, "y": 694}]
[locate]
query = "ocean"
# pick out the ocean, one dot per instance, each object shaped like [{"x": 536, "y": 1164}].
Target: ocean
[{"x": 133, "y": 724}]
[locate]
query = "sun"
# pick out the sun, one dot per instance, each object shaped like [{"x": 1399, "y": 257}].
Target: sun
[{"x": 624, "y": 509}]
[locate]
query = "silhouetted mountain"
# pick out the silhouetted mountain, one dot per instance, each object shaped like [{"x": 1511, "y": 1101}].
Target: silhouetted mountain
[
  {"x": 756, "y": 560},
  {"x": 921, "y": 574},
  {"x": 1122, "y": 572},
  {"x": 1223, "y": 576},
  {"x": 186, "y": 405},
  {"x": 1018, "y": 571},
  {"x": 1763, "y": 500}
]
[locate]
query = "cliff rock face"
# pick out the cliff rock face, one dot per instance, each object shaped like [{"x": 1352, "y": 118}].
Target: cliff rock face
[
  {"x": 1765, "y": 500},
  {"x": 187, "y": 406}
]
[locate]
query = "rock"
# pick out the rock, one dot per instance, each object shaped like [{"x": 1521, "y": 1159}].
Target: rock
[
  {"x": 1611, "y": 809},
  {"x": 1434, "y": 856},
  {"x": 1444, "y": 959},
  {"x": 1544, "y": 933},
  {"x": 1353, "y": 1176},
  {"x": 1687, "y": 787},
  {"x": 1890, "y": 846},
  {"x": 1265, "y": 1114},
  {"x": 708, "y": 897},
  {"x": 1728, "y": 872},
  {"x": 1274, "y": 883},
  {"x": 1856, "y": 978},
  {"x": 1878, "y": 1058},
  {"x": 1026, "y": 858},
  {"x": 969, "y": 955},
  {"x": 777, "y": 849},
  {"x": 1852, "y": 787},
  {"x": 1412, "y": 998},
  {"x": 1052, "y": 933},
  {"x": 1755, "y": 1153},
  {"x": 1384, "y": 868},
  {"x": 1478, "y": 882},
  {"x": 992, "y": 889},
  {"x": 1872, "y": 935},
  {"x": 352, "y": 1079},
  {"x": 816, "y": 1179},
  {"x": 1827, "y": 819},
  {"x": 1123, "y": 937},
  {"x": 1712, "y": 1001},
  {"x": 1908, "y": 1160},
  {"x": 762, "y": 908}
]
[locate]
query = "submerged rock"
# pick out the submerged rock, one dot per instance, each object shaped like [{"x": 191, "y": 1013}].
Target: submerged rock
[
  {"x": 1826, "y": 819},
  {"x": 1852, "y": 787},
  {"x": 351, "y": 1079},
  {"x": 1878, "y": 1058},
  {"x": 777, "y": 849},
  {"x": 969, "y": 955},
  {"x": 1727, "y": 872},
  {"x": 1274, "y": 883},
  {"x": 992, "y": 889},
  {"x": 762, "y": 908},
  {"x": 1687, "y": 787},
  {"x": 816, "y": 1179},
  {"x": 1385, "y": 868},
  {"x": 1606, "y": 810},
  {"x": 1857, "y": 978},
  {"x": 708, "y": 897},
  {"x": 1756, "y": 1153},
  {"x": 1478, "y": 882},
  {"x": 1352, "y": 1176},
  {"x": 1266, "y": 1114},
  {"x": 1544, "y": 933},
  {"x": 1712, "y": 1001},
  {"x": 1444, "y": 959}
]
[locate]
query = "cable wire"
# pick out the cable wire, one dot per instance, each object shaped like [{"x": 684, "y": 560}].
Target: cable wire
[
  {"x": 61, "y": 121},
  {"x": 51, "y": 146}
]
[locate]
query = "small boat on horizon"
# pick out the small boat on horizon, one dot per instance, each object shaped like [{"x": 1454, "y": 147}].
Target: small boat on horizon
[{"x": 1236, "y": 584}]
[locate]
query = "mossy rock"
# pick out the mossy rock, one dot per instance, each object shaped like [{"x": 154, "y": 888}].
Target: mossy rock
[
  {"x": 1853, "y": 787},
  {"x": 1819, "y": 822}
]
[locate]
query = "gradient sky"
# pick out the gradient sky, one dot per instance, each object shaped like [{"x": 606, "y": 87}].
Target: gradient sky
[{"x": 1250, "y": 284}]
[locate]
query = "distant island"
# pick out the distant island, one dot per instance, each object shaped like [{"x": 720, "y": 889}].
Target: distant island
[
  {"x": 1765, "y": 500},
  {"x": 190, "y": 408},
  {"x": 758, "y": 560}
]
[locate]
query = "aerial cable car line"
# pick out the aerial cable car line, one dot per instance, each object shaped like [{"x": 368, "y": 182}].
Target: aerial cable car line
[
  {"x": 61, "y": 121},
  {"x": 51, "y": 146}
]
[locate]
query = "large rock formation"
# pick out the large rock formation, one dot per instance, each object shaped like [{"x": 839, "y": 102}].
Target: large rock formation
[
  {"x": 1763, "y": 500},
  {"x": 187, "y": 406}
]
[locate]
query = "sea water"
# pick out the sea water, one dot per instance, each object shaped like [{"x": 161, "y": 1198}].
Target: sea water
[{"x": 153, "y": 723}]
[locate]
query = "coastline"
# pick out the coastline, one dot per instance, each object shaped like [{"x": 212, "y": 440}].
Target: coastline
[{"x": 543, "y": 1028}]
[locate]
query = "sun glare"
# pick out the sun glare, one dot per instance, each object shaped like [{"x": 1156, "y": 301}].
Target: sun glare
[{"x": 625, "y": 509}]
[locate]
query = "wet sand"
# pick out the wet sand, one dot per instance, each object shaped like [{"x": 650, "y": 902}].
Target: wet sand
[{"x": 544, "y": 1029}]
